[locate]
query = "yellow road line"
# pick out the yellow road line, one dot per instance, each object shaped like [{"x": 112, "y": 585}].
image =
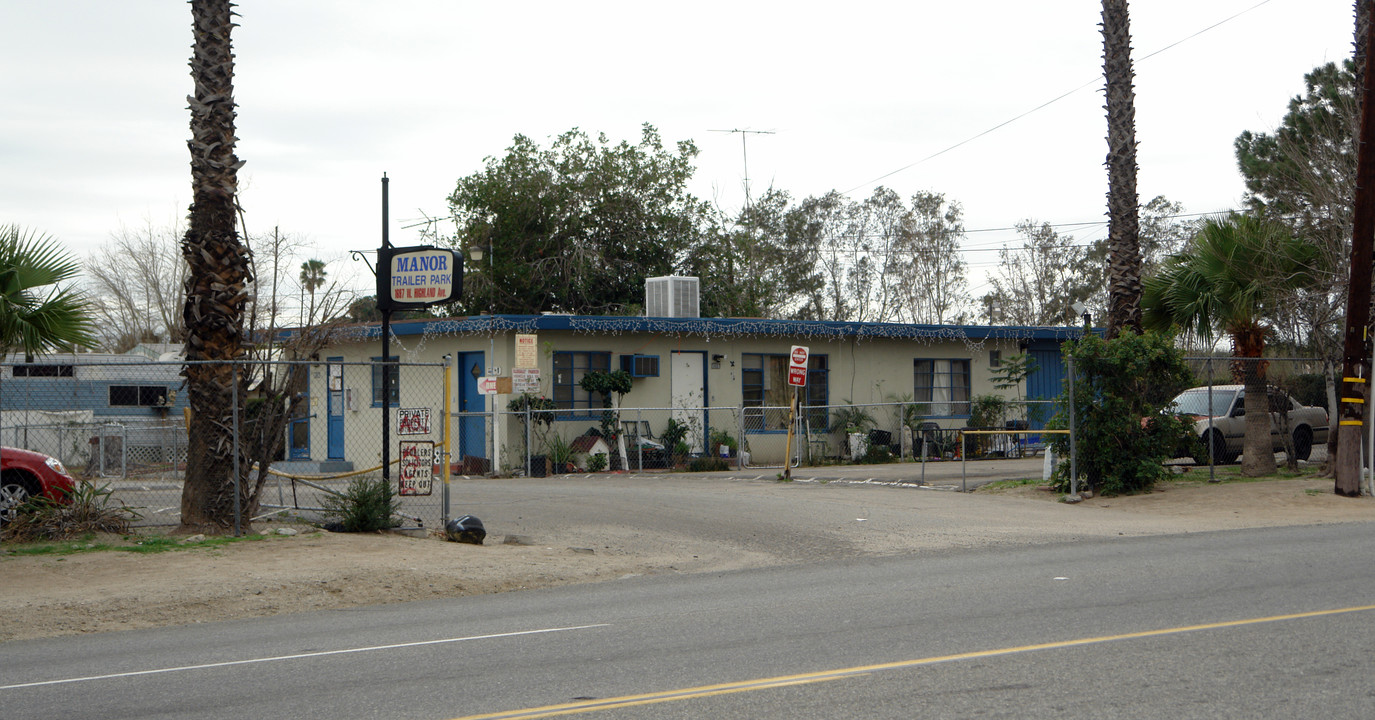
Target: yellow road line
[{"x": 704, "y": 691}]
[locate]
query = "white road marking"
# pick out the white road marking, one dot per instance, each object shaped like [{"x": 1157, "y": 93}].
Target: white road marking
[{"x": 297, "y": 656}]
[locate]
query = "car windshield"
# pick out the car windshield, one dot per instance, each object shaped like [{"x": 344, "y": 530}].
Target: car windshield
[{"x": 1195, "y": 402}]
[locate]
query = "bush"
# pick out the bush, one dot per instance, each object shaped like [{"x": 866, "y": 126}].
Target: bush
[
  {"x": 367, "y": 506},
  {"x": 1121, "y": 387},
  {"x": 87, "y": 509},
  {"x": 596, "y": 463},
  {"x": 876, "y": 455},
  {"x": 708, "y": 464}
]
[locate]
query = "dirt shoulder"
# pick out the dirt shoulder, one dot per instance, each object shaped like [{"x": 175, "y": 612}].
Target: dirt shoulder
[{"x": 48, "y": 596}]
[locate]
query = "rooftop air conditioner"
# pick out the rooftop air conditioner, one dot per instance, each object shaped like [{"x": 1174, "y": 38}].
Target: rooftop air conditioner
[{"x": 672, "y": 296}]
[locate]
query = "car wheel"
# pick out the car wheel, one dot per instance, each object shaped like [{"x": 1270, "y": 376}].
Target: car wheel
[
  {"x": 1303, "y": 443},
  {"x": 15, "y": 490},
  {"x": 1218, "y": 449}
]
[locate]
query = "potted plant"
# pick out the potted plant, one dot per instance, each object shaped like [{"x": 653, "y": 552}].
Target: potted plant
[
  {"x": 855, "y": 422},
  {"x": 560, "y": 453},
  {"x": 722, "y": 443},
  {"x": 672, "y": 438}
]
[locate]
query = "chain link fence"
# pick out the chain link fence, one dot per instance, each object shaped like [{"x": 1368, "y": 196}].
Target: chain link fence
[
  {"x": 316, "y": 425},
  {"x": 552, "y": 441},
  {"x": 1300, "y": 401}
]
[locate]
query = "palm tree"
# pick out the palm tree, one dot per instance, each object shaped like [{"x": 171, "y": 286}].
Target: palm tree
[
  {"x": 312, "y": 279},
  {"x": 217, "y": 287},
  {"x": 1124, "y": 252},
  {"x": 1231, "y": 278},
  {"x": 37, "y": 313}
]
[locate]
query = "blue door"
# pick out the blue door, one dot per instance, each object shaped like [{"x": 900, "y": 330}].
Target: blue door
[
  {"x": 472, "y": 425},
  {"x": 1046, "y": 383},
  {"x": 335, "y": 389}
]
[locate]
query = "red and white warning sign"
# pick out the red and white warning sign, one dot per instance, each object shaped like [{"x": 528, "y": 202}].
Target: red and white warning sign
[{"x": 797, "y": 366}]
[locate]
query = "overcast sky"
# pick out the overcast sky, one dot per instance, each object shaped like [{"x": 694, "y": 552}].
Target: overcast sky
[{"x": 332, "y": 93}]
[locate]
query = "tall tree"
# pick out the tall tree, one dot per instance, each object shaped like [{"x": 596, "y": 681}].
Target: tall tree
[
  {"x": 40, "y": 311},
  {"x": 1232, "y": 279},
  {"x": 137, "y": 284},
  {"x": 1163, "y": 231},
  {"x": 1038, "y": 283},
  {"x": 312, "y": 278},
  {"x": 772, "y": 252},
  {"x": 933, "y": 272},
  {"x": 1303, "y": 174},
  {"x": 1124, "y": 255},
  {"x": 578, "y": 226},
  {"x": 217, "y": 286}
]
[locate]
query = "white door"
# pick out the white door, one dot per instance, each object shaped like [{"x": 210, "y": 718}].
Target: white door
[{"x": 689, "y": 396}]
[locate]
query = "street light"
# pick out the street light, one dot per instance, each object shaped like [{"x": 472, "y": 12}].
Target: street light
[{"x": 476, "y": 252}]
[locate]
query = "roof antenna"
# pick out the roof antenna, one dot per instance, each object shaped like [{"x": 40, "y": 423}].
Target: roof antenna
[{"x": 744, "y": 152}]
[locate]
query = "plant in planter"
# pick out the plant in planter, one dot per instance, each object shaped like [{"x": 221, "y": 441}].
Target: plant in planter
[
  {"x": 987, "y": 411},
  {"x": 855, "y": 422},
  {"x": 721, "y": 439},
  {"x": 672, "y": 438},
  {"x": 560, "y": 453}
]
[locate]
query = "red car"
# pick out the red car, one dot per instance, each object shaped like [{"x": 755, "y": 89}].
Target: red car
[{"x": 25, "y": 474}]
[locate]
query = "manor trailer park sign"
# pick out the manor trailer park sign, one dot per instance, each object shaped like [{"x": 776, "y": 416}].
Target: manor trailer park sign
[{"x": 412, "y": 278}]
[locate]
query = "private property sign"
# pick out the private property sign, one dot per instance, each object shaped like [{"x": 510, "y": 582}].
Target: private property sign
[
  {"x": 417, "y": 277},
  {"x": 413, "y": 421}
]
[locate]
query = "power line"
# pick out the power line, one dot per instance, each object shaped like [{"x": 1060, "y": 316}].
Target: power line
[{"x": 1048, "y": 103}]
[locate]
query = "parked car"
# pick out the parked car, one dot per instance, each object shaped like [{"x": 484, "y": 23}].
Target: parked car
[
  {"x": 25, "y": 474},
  {"x": 1225, "y": 435}
]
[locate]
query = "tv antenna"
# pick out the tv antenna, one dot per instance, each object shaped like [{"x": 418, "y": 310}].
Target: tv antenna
[{"x": 745, "y": 155}]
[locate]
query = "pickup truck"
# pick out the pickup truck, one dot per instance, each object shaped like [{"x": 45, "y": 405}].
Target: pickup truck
[{"x": 1226, "y": 434}]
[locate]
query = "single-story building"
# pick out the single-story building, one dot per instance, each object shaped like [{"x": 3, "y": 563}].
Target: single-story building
[{"x": 709, "y": 374}]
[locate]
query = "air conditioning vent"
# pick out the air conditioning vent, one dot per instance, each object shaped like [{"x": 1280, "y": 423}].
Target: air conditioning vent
[{"x": 672, "y": 296}]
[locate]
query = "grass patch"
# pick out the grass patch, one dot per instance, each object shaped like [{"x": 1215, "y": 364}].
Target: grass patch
[
  {"x": 1009, "y": 484},
  {"x": 131, "y": 543},
  {"x": 1232, "y": 474}
]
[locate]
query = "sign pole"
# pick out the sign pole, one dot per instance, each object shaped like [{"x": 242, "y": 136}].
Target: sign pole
[
  {"x": 788, "y": 445},
  {"x": 797, "y": 377},
  {"x": 386, "y": 353}
]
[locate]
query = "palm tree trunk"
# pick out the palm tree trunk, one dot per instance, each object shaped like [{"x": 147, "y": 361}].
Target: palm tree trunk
[
  {"x": 217, "y": 285},
  {"x": 1124, "y": 251}
]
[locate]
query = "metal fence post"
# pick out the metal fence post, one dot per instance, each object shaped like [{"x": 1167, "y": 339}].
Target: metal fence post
[
  {"x": 740, "y": 442},
  {"x": 1212, "y": 465},
  {"x": 1073, "y": 454},
  {"x": 234, "y": 398}
]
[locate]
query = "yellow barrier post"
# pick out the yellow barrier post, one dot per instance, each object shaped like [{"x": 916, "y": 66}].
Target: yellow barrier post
[{"x": 444, "y": 473}]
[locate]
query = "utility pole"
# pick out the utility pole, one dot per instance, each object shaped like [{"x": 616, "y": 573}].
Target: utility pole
[{"x": 1356, "y": 348}]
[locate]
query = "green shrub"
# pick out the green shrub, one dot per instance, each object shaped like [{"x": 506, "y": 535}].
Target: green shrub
[
  {"x": 1121, "y": 387},
  {"x": 876, "y": 455},
  {"x": 708, "y": 464},
  {"x": 720, "y": 438},
  {"x": 673, "y": 433},
  {"x": 87, "y": 508},
  {"x": 596, "y": 463},
  {"x": 367, "y": 506}
]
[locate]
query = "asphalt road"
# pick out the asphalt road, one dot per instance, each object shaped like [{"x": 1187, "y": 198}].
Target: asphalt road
[{"x": 1241, "y": 624}]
